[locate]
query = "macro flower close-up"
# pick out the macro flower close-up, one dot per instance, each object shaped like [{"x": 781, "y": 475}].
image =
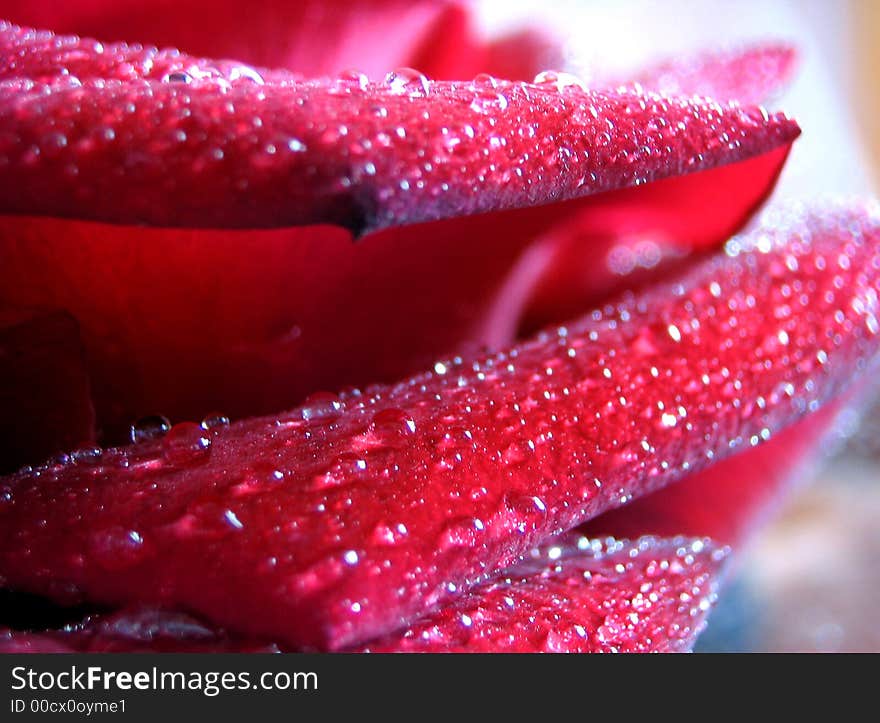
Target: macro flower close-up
[{"x": 389, "y": 326}]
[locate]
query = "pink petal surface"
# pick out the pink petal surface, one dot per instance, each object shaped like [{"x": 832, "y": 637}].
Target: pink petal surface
[
  {"x": 361, "y": 155},
  {"x": 349, "y": 517},
  {"x": 308, "y": 36},
  {"x": 574, "y": 595},
  {"x": 729, "y": 499}
]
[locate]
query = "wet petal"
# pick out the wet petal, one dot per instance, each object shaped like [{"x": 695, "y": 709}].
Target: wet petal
[
  {"x": 572, "y": 595},
  {"x": 363, "y": 156},
  {"x": 728, "y": 499},
  {"x": 576, "y": 595},
  {"x": 382, "y": 498},
  {"x": 275, "y": 312},
  {"x": 310, "y": 37}
]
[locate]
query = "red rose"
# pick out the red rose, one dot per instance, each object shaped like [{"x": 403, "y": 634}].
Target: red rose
[{"x": 201, "y": 235}]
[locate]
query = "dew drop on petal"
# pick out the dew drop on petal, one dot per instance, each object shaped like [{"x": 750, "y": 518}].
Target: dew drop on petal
[
  {"x": 407, "y": 81},
  {"x": 393, "y": 422},
  {"x": 321, "y": 406},
  {"x": 149, "y": 428},
  {"x": 186, "y": 443},
  {"x": 177, "y": 76},
  {"x": 215, "y": 421},
  {"x": 559, "y": 80},
  {"x": 245, "y": 73}
]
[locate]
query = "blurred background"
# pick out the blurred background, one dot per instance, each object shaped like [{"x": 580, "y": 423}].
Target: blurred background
[{"x": 810, "y": 579}]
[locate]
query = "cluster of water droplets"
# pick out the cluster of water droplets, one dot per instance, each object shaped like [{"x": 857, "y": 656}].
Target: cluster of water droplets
[
  {"x": 559, "y": 81},
  {"x": 71, "y": 61},
  {"x": 223, "y": 75},
  {"x": 488, "y": 97},
  {"x": 155, "y": 442},
  {"x": 182, "y": 444},
  {"x": 580, "y": 594}
]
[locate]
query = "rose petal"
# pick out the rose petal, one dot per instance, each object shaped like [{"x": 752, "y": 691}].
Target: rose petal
[
  {"x": 627, "y": 240},
  {"x": 137, "y": 630},
  {"x": 239, "y": 349},
  {"x": 45, "y": 395},
  {"x": 574, "y": 595},
  {"x": 637, "y": 243},
  {"x": 383, "y": 498},
  {"x": 310, "y": 37},
  {"x": 728, "y": 499},
  {"x": 275, "y": 315},
  {"x": 579, "y": 596},
  {"x": 363, "y": 156}
]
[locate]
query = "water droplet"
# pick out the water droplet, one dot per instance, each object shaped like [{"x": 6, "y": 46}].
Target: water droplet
[
  {"x": 393, "y": 422},
  {"x": 245, "y": 73},
  {"x": 186, "y": 443},
  {"x": 117, "y": 548},
  {"x": 87, "y": 456},
  {"x": 59, "y": 460},
  {"x": 215, "y": 421},
  {"x": 485, "y": 80},
  {"x": 516, "y": 453},
  {"x": 559, "y": 80},
  {"x": 321, "y": 406},
  {"x": 460, "y": 532},
  {"x": 354, "y": 77},
  {"x": 407, "y": 81},
  {"x": 348, "y": 463},
  {"x": 668, "y": 420},
  {"x": 149, "y": 428},
  {"x": 487, "y": 97},
  {"x": 177, "y": 76},
  {"x": 54, "y": 141},
  {"x": 385, "y": 534},
  {"x": 232, "y": 520},
  {"x": 295, "y": 145}
]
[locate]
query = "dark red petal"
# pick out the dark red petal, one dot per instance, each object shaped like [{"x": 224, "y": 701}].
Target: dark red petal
[
  {"x": 309, "y": 36},
  {"x": 364, "y": 156},
  {"x": 576, "y": 595},
  {"x": 138, "y": 630},
  {"x": 348, "y": 517},
  {"x": 15, "y": 641},
  {"x": 45, "y": 395},
  {"x": 633, "y": 236},
  {"x": 594, "y": 254},
  {"x": 749, "y": 74},
  {"x": 183, "y": 322},
  {"x": 278, "y": 314},
  {"x": 573, "y": 595}
]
